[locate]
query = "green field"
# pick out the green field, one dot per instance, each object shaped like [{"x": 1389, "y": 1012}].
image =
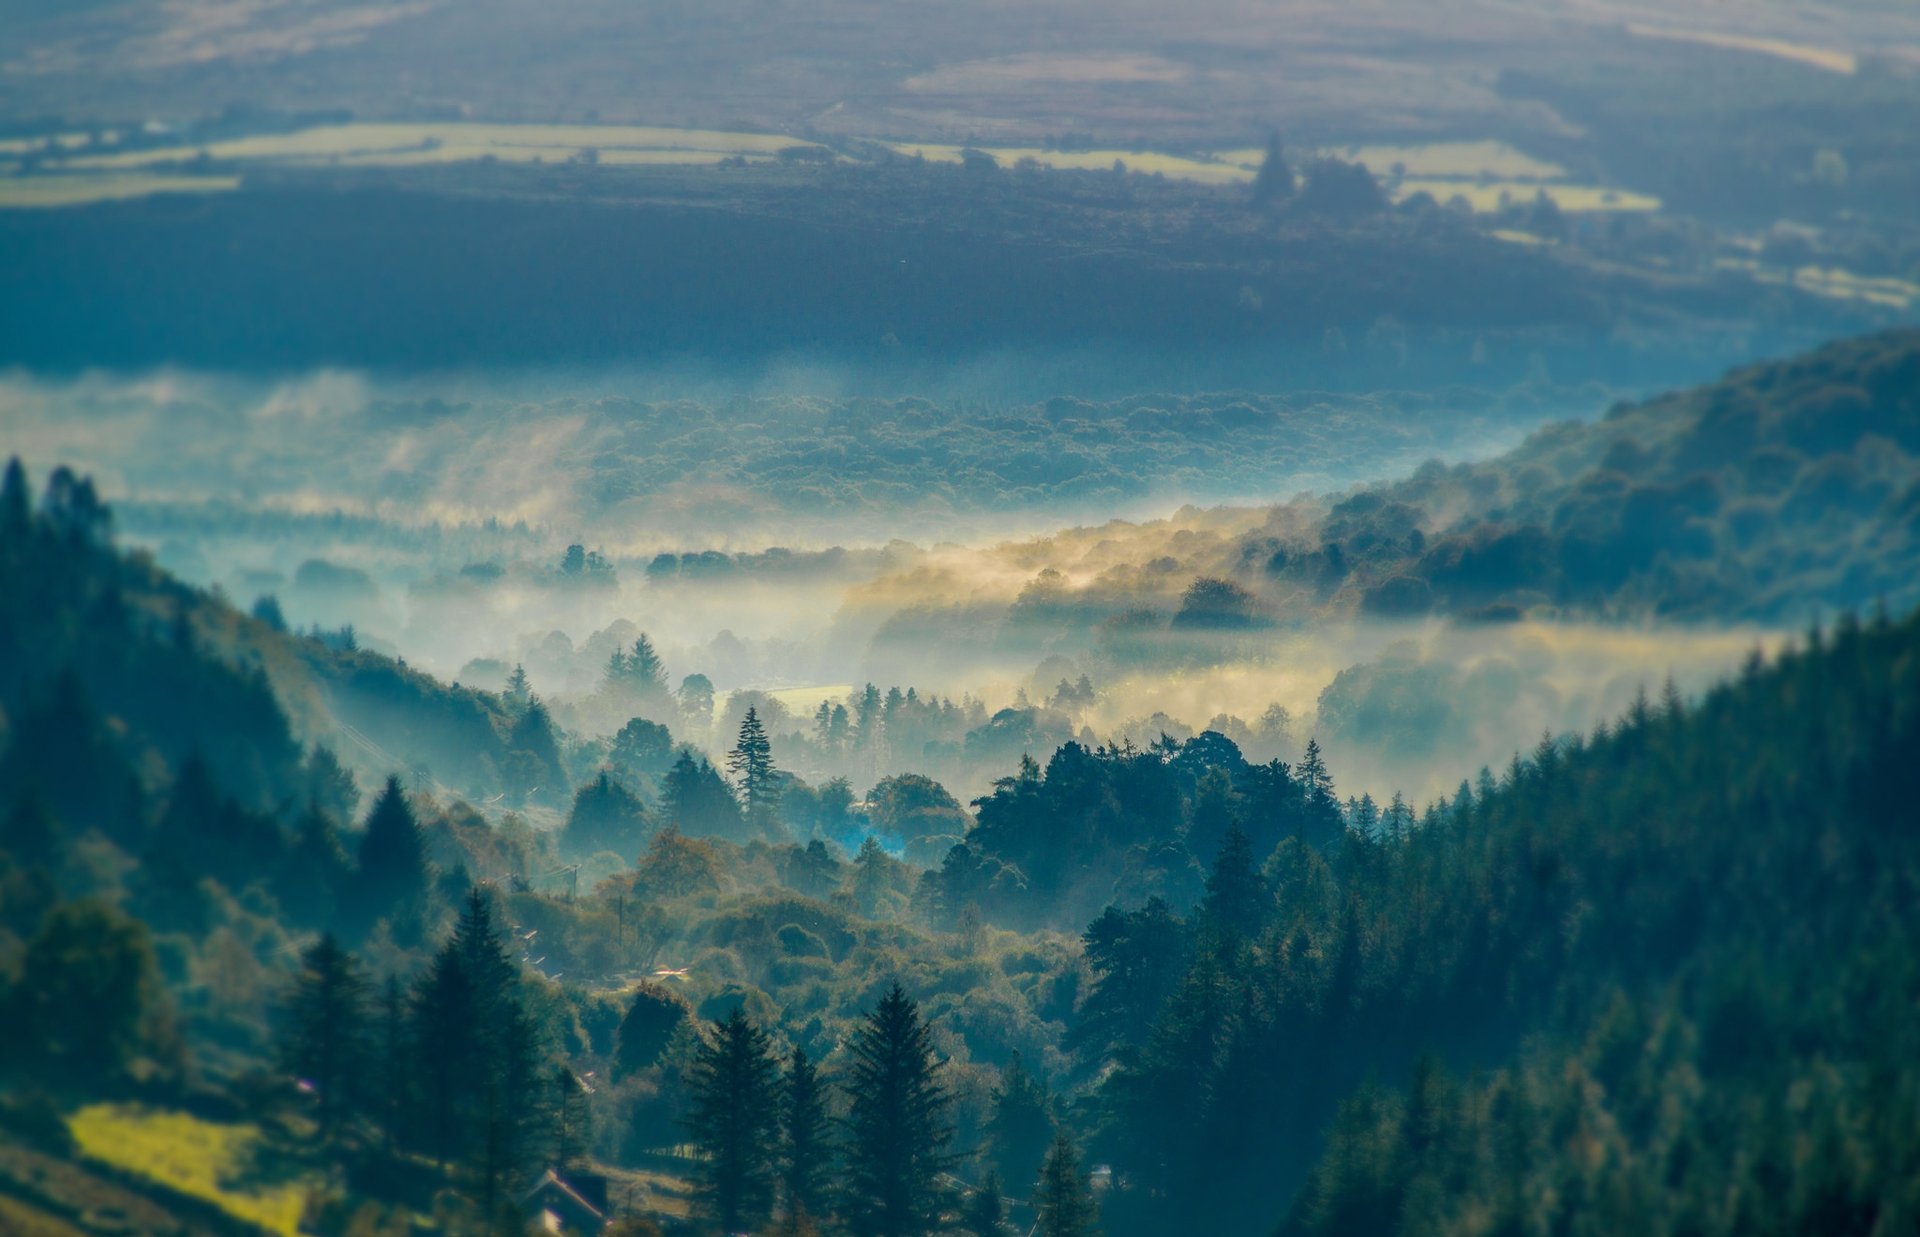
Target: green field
[
  {"x": 73, "y": 169},
  {"x": 1489, "y": 196},
  {"x": 195, "y": 1157},
  {"x": 1209, "y": 171},
  {"x": 77, "y": 190}
]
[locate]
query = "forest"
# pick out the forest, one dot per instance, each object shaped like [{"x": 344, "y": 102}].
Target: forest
[
  {"x": 1654, "y": 973},
  {"x": 827, "y": 618}
]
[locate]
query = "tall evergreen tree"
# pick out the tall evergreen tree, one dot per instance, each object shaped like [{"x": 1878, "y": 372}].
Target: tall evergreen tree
[
  {"x": 1064, "y": 1199},
  {"x": 393, "y": 876},
  {"x": 697, "y": 799},
  {"x": 519, "y": 690},
  {"x": 477, "y": 1055},
  {"x": 326, "y": 1041},
  {"x": 734, "y": 1120},
  {"x": 898, "y": 1128},
  {"x": 16, "y": 500},
  {"x": 806, "y": 1150},
  {"x": 315, "y": 874},
  {"x": 751, "y": 763},
  {"x": 1238, "y": 900},
  {"x": 985, "y": 1212},
  {"x": 1022, "y": 1125}
]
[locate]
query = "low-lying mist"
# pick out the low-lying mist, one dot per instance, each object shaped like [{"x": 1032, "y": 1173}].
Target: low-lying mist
[{"x": 790, "y": 542}]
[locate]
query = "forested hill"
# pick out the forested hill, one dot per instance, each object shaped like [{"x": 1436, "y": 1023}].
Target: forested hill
[
  {"x": 1784, "y": 490},
  {"x": 88, "y": 633},
  {"x": 1659, "y": 979},
  {"x": 1783, "y": 486}
]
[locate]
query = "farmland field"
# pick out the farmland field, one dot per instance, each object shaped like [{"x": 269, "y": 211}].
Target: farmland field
[{"x": 182, "y": 1152}]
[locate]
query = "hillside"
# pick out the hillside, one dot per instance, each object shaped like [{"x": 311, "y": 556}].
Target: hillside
[
  {"x": 1658, "y": 953},
  {"x": 1784, "y": 489}
]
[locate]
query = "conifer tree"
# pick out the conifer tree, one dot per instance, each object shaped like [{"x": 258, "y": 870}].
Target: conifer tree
[
  {"x": 646, "y": 673},
  {"x": 1064, "y": 1200},
  {"x": 751, "y": 763},
  {"x": 315, "y": 873},
  {"x": 326, "y": 1041},
  {"x": 393, "y": 876},
  {"x": 805, "y": 1139},
  {"x": 985, "y": 1213},
  {"x": 1022, "y": 1125},
  {"x": 897, "y": 1124},
  {"x": 394, "y": 1073},
  {"x": 1237, "y": 901},
  {"x": 519, "y": 690},
  {"x": 734, "y": 1120},
  {"x": 16, "y": 501}
]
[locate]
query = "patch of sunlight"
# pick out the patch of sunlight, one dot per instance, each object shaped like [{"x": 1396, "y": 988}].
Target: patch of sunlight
[
  {"x": 48, "y": 191},
  {"x": 1486, "y": 197},
  {"x": 185, "y": 1153}
]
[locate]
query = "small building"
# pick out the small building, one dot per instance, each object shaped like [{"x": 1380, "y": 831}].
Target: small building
[{"x": 557, "y": 1205}]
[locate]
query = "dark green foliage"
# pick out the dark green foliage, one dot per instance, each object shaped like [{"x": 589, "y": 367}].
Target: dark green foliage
[
  {"x": 806, "y": 1140},
  {"x": 61, "y": 753},
  {"x": 734, "y": 1120},
  {"x": 329, "y": 786},
  {"x": 751, "y": 763},
  {"x": 477, "y": 1056},
  {"x": 1063, "y": 1201},
  {"x": 393, "y": 875},
  {"x": 985, "y": 1212},
  {"x": 1685, "y": 916},
  {"x": 651, "y": 1021},
  {"x": 642, "y": 748},
  {"x": 1137, "y": 958},
  {"x": 88, "y": 1007},
  {"x": 314, "y": 883},
  {"x": 897, "y": 1124},
  {"x": 697, "y": 800},
  {"x": 532, "y": 763},
  {"x": 326, "y": 1040},
  {"x": 606, "y": 816},
  {"x": 1022, "y": 1126},
  {"x": 1238, "y": 902}
]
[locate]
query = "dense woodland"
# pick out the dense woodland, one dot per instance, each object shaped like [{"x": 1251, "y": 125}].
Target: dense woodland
[
  {"x": 1658, "y": 976},
  {"x": 1785, "y": 487}
]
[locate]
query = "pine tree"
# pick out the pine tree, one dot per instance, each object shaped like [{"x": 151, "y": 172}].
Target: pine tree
[
  {"x": 315, "y": 873},
  {"x": 394, "y": 1073},
  {"x": 1022, "y": 1124},
  {"x": 1323, "y": 826},
  {"x": 1064, "y": 1200},
  {"x": 806, "y": 1152},
  {"x": 16, "y": 501},
  {"x": 734, "y": 1120},
  {"x": 751, "y": 763},
  {"x": 477, "y": 1054},
  {"x": 393, "y": 876},
  {"x": 326, "y": 1041},
  {"x": 519, "y": 690},
  {"x": 985, "y": 1213},
  {"x": 534, "y": 735},
  {"x": 897, "y": 1124},
  {"x": 646, "y": 673},
  {"x": 1238, "y": 900}
]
